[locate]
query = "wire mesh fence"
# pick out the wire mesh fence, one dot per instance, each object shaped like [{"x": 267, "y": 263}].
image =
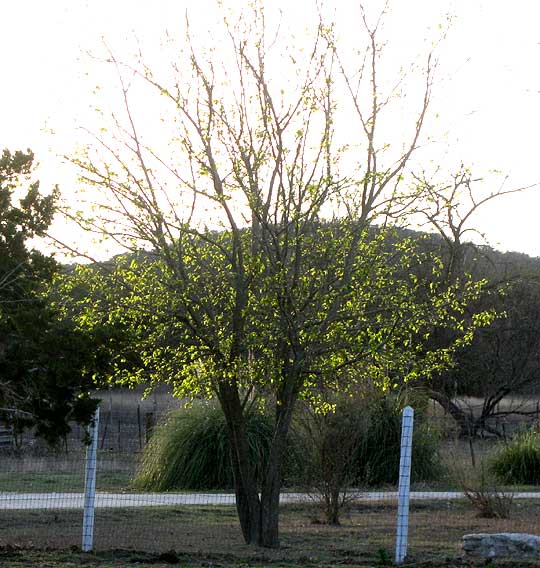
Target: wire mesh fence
[{"x": 42, "y": 497}]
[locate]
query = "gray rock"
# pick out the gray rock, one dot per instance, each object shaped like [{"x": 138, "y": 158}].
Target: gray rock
[{"x": 516, "y": 545}]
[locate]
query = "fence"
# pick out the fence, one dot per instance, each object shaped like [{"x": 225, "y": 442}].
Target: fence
[
  {"x": 43, "y": 504},
  {"x": 7, "y": 439}
]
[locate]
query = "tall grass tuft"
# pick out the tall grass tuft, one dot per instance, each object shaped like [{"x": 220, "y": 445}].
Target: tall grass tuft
[
  {"x": 518, "y": 462},
  {"x": 191, "y": 450},
  {"x": 376, "y": 460}
]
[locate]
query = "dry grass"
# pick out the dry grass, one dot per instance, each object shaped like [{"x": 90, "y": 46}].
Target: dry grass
[
  {"x": 212, "y": 532},
  {"x": 30, "y": 558}
]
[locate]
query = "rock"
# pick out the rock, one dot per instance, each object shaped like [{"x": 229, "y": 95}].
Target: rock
[{"x": 516, "y": 545}]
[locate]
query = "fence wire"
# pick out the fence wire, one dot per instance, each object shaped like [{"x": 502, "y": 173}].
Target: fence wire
[{"x": 42, "y": 499}]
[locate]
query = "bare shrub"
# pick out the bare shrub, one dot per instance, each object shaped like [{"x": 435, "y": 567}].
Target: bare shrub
[
  {"x": 489, "y": 501},
  {"x": 332, "y": 439}
]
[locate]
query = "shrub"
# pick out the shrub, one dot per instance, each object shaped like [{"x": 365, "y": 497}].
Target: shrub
[
  {"x": 489, "y": 502},
  {"x": 482, "y": 493},
  {"x": 518, "y": 462},
  {"x": 331, "y": 440},
  {"x": 191, "y": 450},
  {"x": 359, "y": 445}
]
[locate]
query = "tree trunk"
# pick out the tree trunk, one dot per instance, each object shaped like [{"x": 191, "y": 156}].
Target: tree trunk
[
  {"x": 259, "y": 516},
  {"x": 248, "y": 507},
  {"x": 466, "y": 422},
  {"x": 248, "y": 504},
  {"x": 271, "y": 488}
]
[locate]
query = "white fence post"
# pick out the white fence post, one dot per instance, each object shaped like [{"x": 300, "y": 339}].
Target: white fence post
[
  {"x": 404, "y": 484},
  {"x": 90, "y": 485}
]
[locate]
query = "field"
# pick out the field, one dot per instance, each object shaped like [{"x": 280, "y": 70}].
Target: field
[{"x": 33, "y": 472}]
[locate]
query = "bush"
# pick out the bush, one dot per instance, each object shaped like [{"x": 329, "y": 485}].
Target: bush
[
  {"x": 518, "y": 462},
  {"x": 486, "y": 498},
  {"x": 191, "y": 450},
  {"x": 359, "y": 444},
  {"x": 331, "y": 440}
]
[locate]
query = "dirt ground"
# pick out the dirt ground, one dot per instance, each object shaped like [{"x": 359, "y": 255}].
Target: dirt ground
[{"x": 11, "y": 557}]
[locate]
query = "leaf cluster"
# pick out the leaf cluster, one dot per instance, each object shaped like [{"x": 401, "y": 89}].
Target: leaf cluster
[{"x": 180, "y": 326}]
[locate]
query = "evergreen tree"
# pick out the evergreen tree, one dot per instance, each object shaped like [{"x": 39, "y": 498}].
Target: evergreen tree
[{"x": 45, "y": 363}]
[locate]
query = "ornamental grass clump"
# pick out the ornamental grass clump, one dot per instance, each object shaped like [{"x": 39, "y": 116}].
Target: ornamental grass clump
[
  {"x": 191, "y": 451},
  {"x": 376, "y": 460},
  {"x": 518, "y": 462}
]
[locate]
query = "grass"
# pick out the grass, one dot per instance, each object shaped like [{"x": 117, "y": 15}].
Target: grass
[
  {"x": 211, "y": 535},
  {"x": 30, "y": 558},
  {"x": 60, "y": 482},
  {"x": 519, "y": 460},
  {"x": 190, "y": 450},
  {"x": 64, "y": 473}
]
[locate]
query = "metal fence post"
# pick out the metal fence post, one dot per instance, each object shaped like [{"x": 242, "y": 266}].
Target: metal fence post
[
  {"x": 90, "y": 485},
  {"x": 404, "y": 484}
]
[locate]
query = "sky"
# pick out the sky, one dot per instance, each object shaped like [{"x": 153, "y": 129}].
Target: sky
[{"x": 485, "y": 109}]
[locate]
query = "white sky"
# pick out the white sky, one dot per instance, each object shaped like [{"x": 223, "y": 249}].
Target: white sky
[{"x": 487, "y": 100}]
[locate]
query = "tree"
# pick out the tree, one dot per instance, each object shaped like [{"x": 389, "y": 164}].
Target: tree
[
  {"x": 501, "y": 360},
  {"x": 42, "y": 357},
  {"x": 265, "y": 278}
]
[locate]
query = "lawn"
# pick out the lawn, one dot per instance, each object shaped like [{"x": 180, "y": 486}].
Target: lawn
[{"x": 57, "y": 472}]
